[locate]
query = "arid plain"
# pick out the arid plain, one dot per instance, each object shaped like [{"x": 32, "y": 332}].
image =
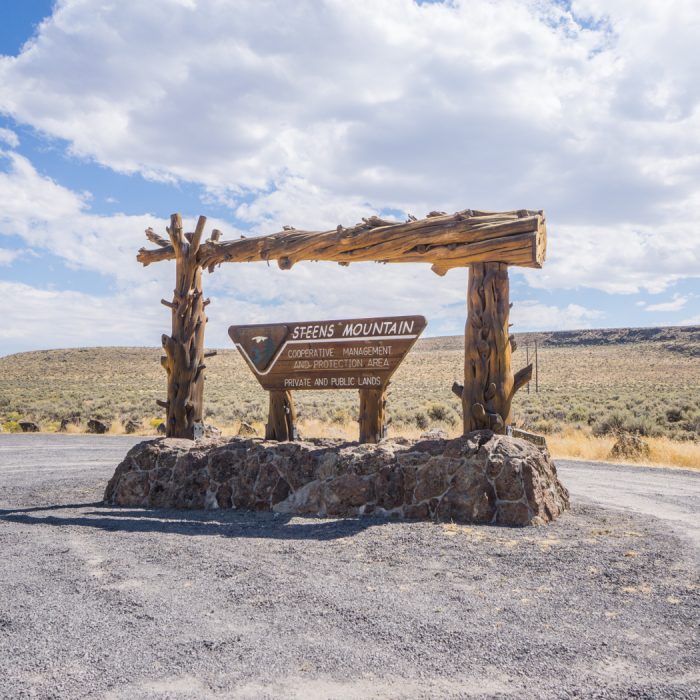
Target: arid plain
[{"x": 593, "y": 385}]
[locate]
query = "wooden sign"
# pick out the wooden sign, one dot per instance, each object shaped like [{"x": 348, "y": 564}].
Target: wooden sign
[{"x": 359, "y": 353}]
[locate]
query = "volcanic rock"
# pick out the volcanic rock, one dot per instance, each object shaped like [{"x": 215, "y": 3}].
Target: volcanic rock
[
  {"x": 246, "y": 430},
  {"x": 479, "y": 478},
  {"x": 629, "y": 445},
  {"x": 97, "y": 426}
]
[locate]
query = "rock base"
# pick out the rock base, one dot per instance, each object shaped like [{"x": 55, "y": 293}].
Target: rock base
[{"x": 479, "y": 478}]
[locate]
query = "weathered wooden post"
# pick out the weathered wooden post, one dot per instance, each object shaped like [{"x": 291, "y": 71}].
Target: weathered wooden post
[
  {"x": 184, "y": 347},
  {"x": 489, "y": 383}
]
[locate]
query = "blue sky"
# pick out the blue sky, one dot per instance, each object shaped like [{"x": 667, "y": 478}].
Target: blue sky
[{"x": 585, "y": 109}]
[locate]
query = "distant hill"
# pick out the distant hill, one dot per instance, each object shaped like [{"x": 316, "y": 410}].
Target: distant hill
[{"x": 682, "y": 339}]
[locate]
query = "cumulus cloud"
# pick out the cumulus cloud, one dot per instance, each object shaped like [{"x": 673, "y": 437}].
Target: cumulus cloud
[
  {"x": 9, "y": 137},
  {"x": 529, "y": 315},
  {"x": 339, "y": 109},
  {"x": 8, "y": 256},
  {"x": 57, "y": 220},
  {"x": 54, "y": 218},
  {"x": 623, "y": 259},
  {"x": 43, "y": 318}
]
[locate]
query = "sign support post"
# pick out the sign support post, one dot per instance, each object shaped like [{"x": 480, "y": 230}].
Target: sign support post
[
  {"x": 372, "y": 415},
  {"x": 281, "y": 418}
]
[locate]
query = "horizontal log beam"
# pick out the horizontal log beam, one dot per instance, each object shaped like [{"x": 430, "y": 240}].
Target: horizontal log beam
[{"x": 442, "y": 240}]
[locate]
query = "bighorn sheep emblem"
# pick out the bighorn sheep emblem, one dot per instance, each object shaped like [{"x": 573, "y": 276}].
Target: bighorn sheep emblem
[{"x": 259, "y": 338}]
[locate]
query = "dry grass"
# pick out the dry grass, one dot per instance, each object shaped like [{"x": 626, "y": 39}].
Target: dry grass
[
  {"x": 116, "y": 427},
  {"x": 573, "y": 443}
]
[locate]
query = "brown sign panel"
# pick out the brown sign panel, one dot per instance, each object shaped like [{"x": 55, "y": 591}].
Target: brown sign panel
[{"x": 360, "y": 353}]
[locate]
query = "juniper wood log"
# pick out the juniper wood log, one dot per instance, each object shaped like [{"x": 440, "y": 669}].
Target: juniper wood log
[
  {"x": 445, "y": 241},
  {"x": 489, "y": 382},
  {"x": 184, "y": 347},
  {"x": 372, "y": 415},
  {"x": 281, "y": 417}
]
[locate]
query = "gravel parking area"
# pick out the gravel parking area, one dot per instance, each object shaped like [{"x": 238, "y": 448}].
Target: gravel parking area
[{"x": 135, "y": 603}]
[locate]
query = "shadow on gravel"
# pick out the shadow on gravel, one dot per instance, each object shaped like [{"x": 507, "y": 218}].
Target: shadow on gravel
[
  {"x": 218, "y": 524},
  {"x": 36, "y": 509}
]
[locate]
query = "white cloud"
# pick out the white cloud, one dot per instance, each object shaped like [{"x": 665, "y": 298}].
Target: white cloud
[
  {"x": 621, "y": 259},
  {"x": 55, "y": 219},
  {"x": 8, "y": 256},
  {"x": 9, "y": 137},
  {"x": 676, "y": 304},
  {"x": 337, "y": 108},
  {"x": 26, "y": 196},
  {"x": 39, "y": 318},
  {"x": 533, "y": 315},
  {"x": 51, "y": 217},
  {"x": 400, "y": 103},
  {"x": 243, "y": 293}
]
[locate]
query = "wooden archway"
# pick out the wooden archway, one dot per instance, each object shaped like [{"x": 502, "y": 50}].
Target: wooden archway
[{"x": 486, "y": 242}]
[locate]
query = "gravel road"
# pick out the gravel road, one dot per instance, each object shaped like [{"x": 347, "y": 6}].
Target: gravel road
[{"x": 134, "y": 603}]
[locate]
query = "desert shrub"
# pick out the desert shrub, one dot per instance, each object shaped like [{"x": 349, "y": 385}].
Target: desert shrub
[
  {"x": 339, "y": 416},
  {"x": 578, "y": 414},
  {"x": 254, "y": 414},
  {"x": 12, "y": 426},
  {"x": 674, "y": 415},
  {"x": 692, "y": 426},
  {"x": 545, "y": 427},
  {"x": 612, "y": 423},
  {"x": 155, "y": 422},
  {"x": 400, "y": 415},
  {"x": 642, "y": 425},
  {"x": 229, "y": 415},
  {"x": 618, "y": 422},
  {"x": 684, "y": 436},
  {"x": 421, "y": 420},
  {"x": 441, "y": 413}
]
